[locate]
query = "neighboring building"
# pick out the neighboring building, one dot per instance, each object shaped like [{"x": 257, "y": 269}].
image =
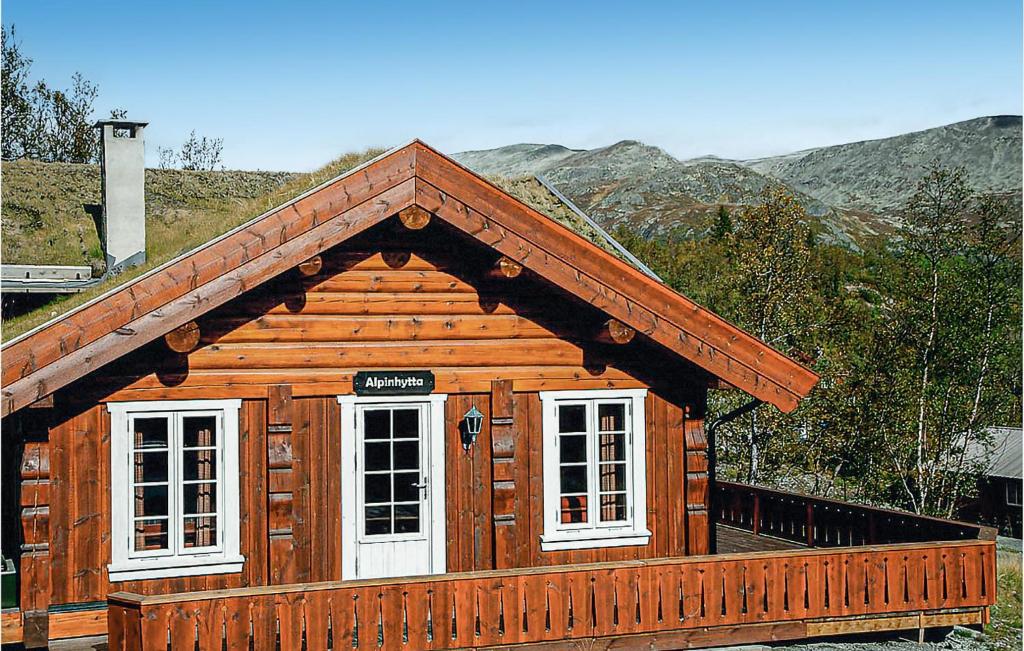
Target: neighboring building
[
  {"x": 406, "y": 410},
  {"x": 999, "y": 488}
]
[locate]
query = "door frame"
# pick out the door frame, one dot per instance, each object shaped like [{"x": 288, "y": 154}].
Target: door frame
[{"x": 435, "y": 443}]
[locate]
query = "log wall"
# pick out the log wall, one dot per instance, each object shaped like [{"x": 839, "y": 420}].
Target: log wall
[{"x": 290, "y": 347}]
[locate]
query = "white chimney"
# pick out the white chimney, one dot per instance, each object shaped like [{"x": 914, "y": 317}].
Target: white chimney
[{"x": 123, "y": 165}]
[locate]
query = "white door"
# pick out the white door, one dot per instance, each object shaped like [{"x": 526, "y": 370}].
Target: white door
[{"x": 392, "y": 487}]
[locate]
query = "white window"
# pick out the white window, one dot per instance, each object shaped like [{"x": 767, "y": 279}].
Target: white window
[
  {"x": 595, "y": 481},
  {"x": 174, "y": 489}
]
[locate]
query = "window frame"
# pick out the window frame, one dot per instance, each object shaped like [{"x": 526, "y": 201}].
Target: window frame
[
  {"x": 1010, "y": 484},
  {"x": 221, "y": 558},
  {"x": 594, "y": 534}
]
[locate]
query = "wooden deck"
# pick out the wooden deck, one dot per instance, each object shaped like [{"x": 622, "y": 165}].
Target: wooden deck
[{"x": 736, "y": 541}]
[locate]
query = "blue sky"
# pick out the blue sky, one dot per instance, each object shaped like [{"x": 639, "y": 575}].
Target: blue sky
[{"x": 292, "y": 85}]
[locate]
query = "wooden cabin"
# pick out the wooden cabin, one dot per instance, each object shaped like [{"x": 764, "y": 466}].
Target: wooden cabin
[{"x": 407, "y": 411}]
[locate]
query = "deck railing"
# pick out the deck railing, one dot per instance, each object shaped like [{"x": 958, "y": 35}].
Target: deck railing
[
  {"x": 498, "y": 608},
  {"x": 820, "y": 522}
]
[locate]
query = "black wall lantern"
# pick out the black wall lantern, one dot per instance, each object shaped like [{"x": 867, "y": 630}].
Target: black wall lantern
[{"x": 472, "y": 423}]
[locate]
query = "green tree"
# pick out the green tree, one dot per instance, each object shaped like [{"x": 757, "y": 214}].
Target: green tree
[
  {"x": 723, "y": 225},
  {"x": 771, "y": 276},
  {"x": 15, "y": 96}
]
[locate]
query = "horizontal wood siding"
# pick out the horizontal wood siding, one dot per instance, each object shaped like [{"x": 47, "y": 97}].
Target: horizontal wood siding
[
  {"x": 389, "y": 307},
  {"x": 290, "y": 346}
]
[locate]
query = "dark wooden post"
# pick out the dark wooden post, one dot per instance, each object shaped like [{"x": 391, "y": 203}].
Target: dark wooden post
[
  {"x": 503, "y": 485},
  {"x": 810, "y": 524},
  {"x": 756, "y": 519},
  {"x": 35, "y": 550}
]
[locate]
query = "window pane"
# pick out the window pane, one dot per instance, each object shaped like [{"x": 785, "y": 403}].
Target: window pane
[
  {"x": 407, "y": 518},
  {"x": 613, "y": 476},
  {"x": 574, "y": 479},
  {"x": 611, "y": 417},
  {"x": 378, "y": 488},
  {"x": 150, "y": 535},
  {"x": 199, "y": 464},
  {"x": 405, "y": 487},
  {"x": 572, "y": 418},
  {"x": 200, "y": 498},
  {"x": 407, "y": 454},
  {"x": 378, "y": 520},
  {"x": 199, "y": 431},
  {"x": 573, "y": 449},
  {"x": 150, "y": 500},
  {"x": 613, "y": 507},
  {"x": 376, "y": 424},
  {"x": 574, "y": 509},
  {"x": 200, "y": 532},
  {"x": 613, "y": 447},
  {"x": 378, "y": 456},
  {"x": 150, "y": 466},
  {"x": 150, "y": 433},
  {"x": 407, "y": 423}
]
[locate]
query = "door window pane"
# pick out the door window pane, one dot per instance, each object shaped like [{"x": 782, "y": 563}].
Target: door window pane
[
  {"x": 376, "y": 424},
  {"x": 407, "y": 518},
  {"x": 378, "y": 455},
  {"x": 407, "y": 454},
  {"x": 406, "y": 423},
  {"x": 406, "y": 489},
  {"x": 378, "y": 488},
  {"x": 378, "y": 520}
]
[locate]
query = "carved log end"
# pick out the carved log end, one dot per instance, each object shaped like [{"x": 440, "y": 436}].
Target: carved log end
[
  {"x": 184, "y": 338},
  {"x": 414, "y": 218}
]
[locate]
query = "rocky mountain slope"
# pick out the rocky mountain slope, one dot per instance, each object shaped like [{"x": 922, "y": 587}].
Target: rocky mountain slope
[
  {"x": 879, "y": 175},
  {"x": 853, "y": 190}
]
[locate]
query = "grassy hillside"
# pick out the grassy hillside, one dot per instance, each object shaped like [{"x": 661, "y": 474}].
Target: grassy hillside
[{"x": 48, "y": 214}]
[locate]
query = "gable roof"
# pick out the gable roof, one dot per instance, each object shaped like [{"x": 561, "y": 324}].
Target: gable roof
[{"x": 83, "y": 340}]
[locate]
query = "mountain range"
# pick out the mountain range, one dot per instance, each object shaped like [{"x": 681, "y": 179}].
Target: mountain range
[{"x": 854, "y": 191}]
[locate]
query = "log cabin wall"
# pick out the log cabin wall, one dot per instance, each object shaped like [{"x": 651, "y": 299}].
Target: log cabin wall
[{"x": 288, "y": 348}]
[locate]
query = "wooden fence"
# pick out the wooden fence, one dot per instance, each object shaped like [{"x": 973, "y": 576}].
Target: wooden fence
[
  {"x": 819, "y": 522},
  {"x": 497, "y": 608}
]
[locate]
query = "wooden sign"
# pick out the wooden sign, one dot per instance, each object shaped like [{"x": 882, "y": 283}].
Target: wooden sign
[{"x": 393, "y": 383}]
